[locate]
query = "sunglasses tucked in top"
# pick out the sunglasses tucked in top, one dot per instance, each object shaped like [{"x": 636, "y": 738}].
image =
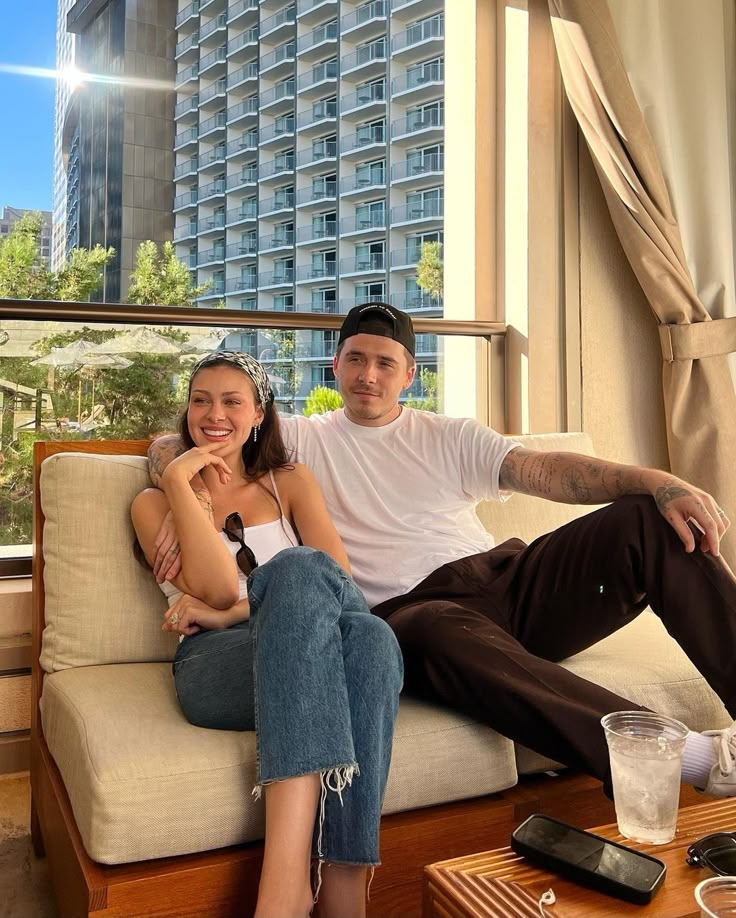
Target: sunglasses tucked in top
[
  {"x": 716, "y": 851},
  {"x": 234, "y": 530}
]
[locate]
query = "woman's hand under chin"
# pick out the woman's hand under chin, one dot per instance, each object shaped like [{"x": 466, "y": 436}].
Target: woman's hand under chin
[{"x": 196, "y": 460}]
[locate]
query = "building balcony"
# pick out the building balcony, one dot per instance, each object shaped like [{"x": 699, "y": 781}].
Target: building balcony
[
  {"x": 355, "y": 185},
  {"x": 279, "y": 62},
  {"x": 281, "y": 132},
  {"x": 187, "y": 168},
  {"x": 244, "y": 145},
  {"x": 211, "y": 224},
  {"x": 279, "y": 99},
  {"x": 415, "y": 302},
  {"x": 276, "y": 241},
  {"x": 317, "y": 233},
  {"x": 347, "y": 303},
  {"x": 214, "y": 127},
  {"x": 319, "y": 116},
  {"x": 280, "y": 25},
  {"x": 214, "y": 189},
  {"x": 363, "y": 264},
  {"x": 365, "y": 103},
  {"x": 185, "y": 232},
  {"x": 236, "y": 216},
  {"x": 212, "y": 159},
  {"x": 369, "y": 223},
  {"x": 279, "y": 204},
  {"x": 237, "y": 12},
  {"x": 244, "y": 284},
  {"x": 240, "y": 78},
  {"x": 419, "y": 171},
  {"x": 421, "y": 40},
  {"x": 246, "y": 178},
  {"x": 314, "y": 197},
  {"x": 283, "y": 277},
  {"x": 216, "y": 26},
  {"x": 186, "y": 76},
  {"x": 423, "y": 127},
  {"x": 239, "y": 250},
  {"x": 242, "y": 111},
  {"x": 406, "y": 258},
  {"x": 422, "y": 212},
  {"x": 186, "y": 140},
  {"x": 186, "y": 110},
  {"x": 408, "y": 10},
  {"x": 186, "y": 201},
  {"x": 188, "y": 48},
  {"x": 214, "y": 256},
  {"x": 326, "y": 307},
  {"x": 363, "y": 142},
  {"x": 214, "y": 62},
  {"x": 318, "y": 80},
  {"x": 366, "y": 22},
  {"x": 276, "y": 168},
  {"x": 317, "y": 43},
  {"x": 316, "y": 274},
  {"x": 213, "y": 93},
  {"x": 216, "y": 289},
  {"x": 189, "y": 16},
  {"x": 420, "y": 84},
  {"x": 318, "y": 155},
  {"x": 212, "y": 7},
  {"x": 242, "y": 45},
  {"x": 365, "y": 63},
  {"x": 310, "y": 12}
]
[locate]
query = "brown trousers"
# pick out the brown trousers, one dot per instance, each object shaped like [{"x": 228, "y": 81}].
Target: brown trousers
[{"x": 484, "y": 634}]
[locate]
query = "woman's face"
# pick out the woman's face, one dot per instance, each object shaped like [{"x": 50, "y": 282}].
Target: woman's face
[{"x": 222, "y": 408}]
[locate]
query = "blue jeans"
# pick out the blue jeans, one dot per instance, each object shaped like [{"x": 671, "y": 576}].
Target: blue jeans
[{"x": 318, "y": 678}]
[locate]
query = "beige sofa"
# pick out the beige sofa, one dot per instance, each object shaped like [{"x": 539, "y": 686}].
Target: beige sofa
[{"x": 144, "y": 784}]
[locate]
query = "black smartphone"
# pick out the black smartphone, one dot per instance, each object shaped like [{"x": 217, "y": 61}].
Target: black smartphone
[{"x": 589, "y": 859}]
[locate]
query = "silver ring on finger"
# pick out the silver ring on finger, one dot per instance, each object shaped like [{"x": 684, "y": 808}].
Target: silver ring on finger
[
  {"x": 721, "y": 512},
  {"x": 174, "y": 550}
]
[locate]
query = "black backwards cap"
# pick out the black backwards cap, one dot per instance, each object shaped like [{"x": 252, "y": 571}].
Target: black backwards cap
[{"x": 396, "y": 324}]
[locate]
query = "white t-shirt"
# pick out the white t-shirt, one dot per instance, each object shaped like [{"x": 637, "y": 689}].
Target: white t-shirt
[{"x": 402, "y": 496}]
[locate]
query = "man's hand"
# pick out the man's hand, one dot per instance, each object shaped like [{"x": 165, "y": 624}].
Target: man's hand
[{"x": 679, "y": 502}]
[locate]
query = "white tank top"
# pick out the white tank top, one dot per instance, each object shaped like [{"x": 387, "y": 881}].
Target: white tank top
[{"x": 265, "y": 539}]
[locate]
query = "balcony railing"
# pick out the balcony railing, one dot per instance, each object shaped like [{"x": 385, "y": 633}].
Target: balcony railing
[
  {"x": 240, "y": 7},
  {"x": 304, "y": 6},
  {"x": 212, "y": 189},
  {"x": 326, "y": 32},
  {"x": 191, "y": 41},
  {"x": 347, "y": 303},
  {"x": 316, "y": 272},
  {"x": 211, "y": 256},
  {"x": 217, "y": 56},
  {"x": 246, "y": 72},
  {"x": 317, "y": 152},
  {"x": 240, "y": 284},
  {"x": 285, "y": 52},
  {"x": 214, "y": 221},
  {"x": 358, "y": 224},
  {"x": 185, "y": 137},
  {"x": 212, "y": 157},
  {"x": 375, "y": 261},
  {"x": 213, "y": 124},
  {"x": 431, "y": 163},
  {"x": 278, "y": 19},
  {"x": 420, "y": 31},
  {"x": 186, "y": 199},
  {"x": 246, "y": 143},
  {"x": 249, "y": 37},
  {"x": 280, "y": 91},
  {"x": 374, "y": 179},
  {"x": 242, "y": 109},
  {"x": 276, "y": 240},
  {"x": 186, "y": 168},
  {"x": 415, "y": 301},
  {"x": 184, "y": 76},
  {"x": 406, "y": 257},
  {"x": 412, "y": 79},
  {"x": 283, "y": 201},
  {"x": 185, "y": 231},
  {"x": 318, "y": 74},
  {"x": 321, "y": 193},
  {"x": 321, "y": 111},
  {"x": 248, "y": 211},
  {"x": 186, "y": 105},
  {"x": 242, "y": 248},
  {"x": 376, "y": 9},
  {"x": 214, "y": 25},
  {"x": 280, "y": 128},
  {"x": 372, "y": 52},
  {"x": 422, "y": 210},
  {"x": 187, "y": 13},
  {"x": 276, "y": 166},
  {"x": 218, "y": 88},
  {"x": 238, "y": 179},
  {"x": 417, "y": 121},
  {"x": 365, "y": 96},
  {"x": 363, "y": 138},
  {"x": 317, "y": 232},
  {"x": 276, "y": 278}
]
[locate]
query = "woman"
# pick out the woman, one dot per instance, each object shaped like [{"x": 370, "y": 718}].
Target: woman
[{"x": 277, "y": 638}]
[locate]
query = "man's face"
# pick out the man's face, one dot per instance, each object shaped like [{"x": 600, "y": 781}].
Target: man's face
[{"x": 372, "y": 371}]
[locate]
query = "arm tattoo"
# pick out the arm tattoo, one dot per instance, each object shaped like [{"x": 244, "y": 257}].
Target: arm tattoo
[
  {"x": 668, "y": 492},
  {"x": 575, "y": 487},
  {"x": 203, "y": 496},
  {"x": 160, "y": 454}
]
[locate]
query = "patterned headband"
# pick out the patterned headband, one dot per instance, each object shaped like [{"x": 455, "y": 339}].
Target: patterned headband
[{"x": 249, "y": 365}]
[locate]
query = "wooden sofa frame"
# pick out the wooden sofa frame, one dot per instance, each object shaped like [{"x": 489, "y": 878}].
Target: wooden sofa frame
[{"x": 224, "y": 883}]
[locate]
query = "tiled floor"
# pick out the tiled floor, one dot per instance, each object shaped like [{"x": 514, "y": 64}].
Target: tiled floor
[{"x": 24, "y": 884}]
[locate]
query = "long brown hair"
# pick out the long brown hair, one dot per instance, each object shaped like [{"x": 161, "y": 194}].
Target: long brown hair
[{"x": 260, "y": 456}]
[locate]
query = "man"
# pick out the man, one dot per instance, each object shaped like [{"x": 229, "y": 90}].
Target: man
[{"x": 482, "y": 628}]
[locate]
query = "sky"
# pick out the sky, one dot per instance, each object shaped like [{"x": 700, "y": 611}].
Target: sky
[{"x": 27, "y": 38}]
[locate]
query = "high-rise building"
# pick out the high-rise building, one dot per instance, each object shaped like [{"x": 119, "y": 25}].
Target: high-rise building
[
  {"x": 309, "y": 158},
  {"x": 9, "y": 216},
  {"x": 64, "y": 64},
  {"x": 118, "y": 130}
]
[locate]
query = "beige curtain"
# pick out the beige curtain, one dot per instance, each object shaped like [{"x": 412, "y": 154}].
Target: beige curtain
[{"x": 699, "y": 396}]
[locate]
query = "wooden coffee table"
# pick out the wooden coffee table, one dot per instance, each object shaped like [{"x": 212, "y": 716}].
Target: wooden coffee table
[{"x": 485, "y": 885}]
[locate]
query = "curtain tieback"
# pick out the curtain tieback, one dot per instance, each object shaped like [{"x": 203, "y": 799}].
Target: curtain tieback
[{"x": 696, "y": 340}]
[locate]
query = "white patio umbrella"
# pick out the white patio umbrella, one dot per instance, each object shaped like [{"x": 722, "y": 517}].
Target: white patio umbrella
[
  {"x": 68, "y": 356},
  {"x": 140, "y": 341},
  {"x": 109, "y": 361}
]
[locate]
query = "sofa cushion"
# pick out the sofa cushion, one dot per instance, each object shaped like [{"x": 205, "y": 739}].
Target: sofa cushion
[
  {"x": 101, "y": 605},
  {"x": 642, "y": 662},
  {"x": 144, "y": 783}
]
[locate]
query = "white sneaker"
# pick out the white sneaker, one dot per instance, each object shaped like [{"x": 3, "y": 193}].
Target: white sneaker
[{"x": 722, "y": 779}]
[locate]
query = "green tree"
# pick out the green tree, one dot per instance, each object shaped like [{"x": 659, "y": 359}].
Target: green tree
[
  {"x": 283, "y": 348},
  {"x": 162, "y": 279},
  {"x": 430, "y": 269},
  {"x": 24, "y": 276},
  {"x": 321, "y": 400},
  {"x": 430, "y": 387}
]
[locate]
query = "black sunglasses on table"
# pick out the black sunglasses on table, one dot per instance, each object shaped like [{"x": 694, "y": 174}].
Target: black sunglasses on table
[
  {"x": 716, "y": 851},
  {"x": 234, "y": 530}
]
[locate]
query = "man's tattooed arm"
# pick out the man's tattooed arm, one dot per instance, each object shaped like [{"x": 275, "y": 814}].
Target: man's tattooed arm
[{"x": 160, "y": 454}]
